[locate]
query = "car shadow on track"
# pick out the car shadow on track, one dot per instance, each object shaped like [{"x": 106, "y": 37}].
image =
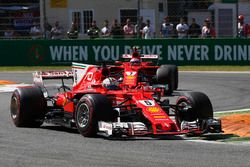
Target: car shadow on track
[
  {"x": 60, "y": 128},
  {"x": 75, "y": 131},
  {"x": 218, "y": 137},
  {"x": 168, "y": 137},
  {"x": 213, "y": 137}
]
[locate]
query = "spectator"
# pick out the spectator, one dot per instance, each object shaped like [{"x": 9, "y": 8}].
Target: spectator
[
  {"x": 93, "y": 31},
  {"x": 48, "y": 28},
  {"x": 105, "y": 32},
  {"x": 128, "y": 29},
  {"x": 57, "y": 31},
  {"x": 207, "y": 30},
  {"x": 116, "y": 30},
  {"x": 139, "y": 27},
  {"x": 194, "y": 29},
  {"x": 242, "y": 27},
  {"x": 167, "y": 28},
  {"x": 73, "y": 31},
  {"x": 9, "y": 33},
  {"x": 182, "y": 29},
  {"x": 147, "y": 31},
  {"x": 35, "y": 31}
]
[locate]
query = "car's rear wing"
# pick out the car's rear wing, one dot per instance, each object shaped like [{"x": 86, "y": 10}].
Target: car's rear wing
[
  {"x": 129, "y": 56},
  {"x": 39, "y": 76},
  {"x": 79, "y": 70}
]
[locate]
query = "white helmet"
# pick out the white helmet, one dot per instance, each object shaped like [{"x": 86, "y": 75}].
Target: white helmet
[
  {"x": 135, "y": 61},
  {"x": 110, "y": 83}
]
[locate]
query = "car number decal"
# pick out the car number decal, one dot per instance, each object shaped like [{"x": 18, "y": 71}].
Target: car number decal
[
  {"x": 147, "y": 102},
  {"x": 130, "y": 73}
]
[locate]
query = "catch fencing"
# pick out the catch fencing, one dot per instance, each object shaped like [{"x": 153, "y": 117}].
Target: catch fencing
[{"x": 17, "y": 17}]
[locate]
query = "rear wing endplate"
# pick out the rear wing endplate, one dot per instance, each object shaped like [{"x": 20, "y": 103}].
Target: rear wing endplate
[{"x": 39, "y": 76}]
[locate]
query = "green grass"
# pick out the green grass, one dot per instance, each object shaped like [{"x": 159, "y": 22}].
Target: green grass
[
  {"x": 218, "y": 115},
  {"x": 237, "y": 139},
  {"x": 181, "y": 68}
]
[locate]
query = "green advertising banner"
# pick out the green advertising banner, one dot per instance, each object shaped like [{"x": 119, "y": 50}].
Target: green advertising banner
[{"x": 171, "y": 51}]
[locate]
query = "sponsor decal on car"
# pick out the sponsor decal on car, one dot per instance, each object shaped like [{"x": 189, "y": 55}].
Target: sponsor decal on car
[
  {"x": 153, "y": 109},
  {"x": 147, "y": 102},
  {"x": 131, "y": 75},
  {"x": 160, "y": 117}
]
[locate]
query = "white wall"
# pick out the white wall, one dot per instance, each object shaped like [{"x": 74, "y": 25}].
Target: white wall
[
  {"x": 103, "y": 9},
  {"x": 216, "y": 7},
  {"x": 244, "y": 8}
]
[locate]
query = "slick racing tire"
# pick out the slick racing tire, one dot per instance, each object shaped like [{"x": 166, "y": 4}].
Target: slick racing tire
[
  {"x": 168, "y": 74},
  {"x": 200, "y": 107},
  {"x": 28, "y": 107},
  {"x": 90, "y": 109}
]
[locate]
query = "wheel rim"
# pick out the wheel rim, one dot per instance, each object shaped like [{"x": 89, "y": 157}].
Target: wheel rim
[
  {"x": 184, "y": 103},
  {"x": 177, "y": 117},
  {"x": 83, "y": 115},
  {"x": 14, "y": 107}
]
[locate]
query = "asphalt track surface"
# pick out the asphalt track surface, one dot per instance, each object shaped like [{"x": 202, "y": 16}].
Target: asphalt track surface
[{"x": 55, "y": 146}]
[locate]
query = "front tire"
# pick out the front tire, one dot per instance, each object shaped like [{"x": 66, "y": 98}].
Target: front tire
[
  {"x": 90, "y": 109},
  {"x": 201, "y": 107},
  {"x": 28, "y": 107}
]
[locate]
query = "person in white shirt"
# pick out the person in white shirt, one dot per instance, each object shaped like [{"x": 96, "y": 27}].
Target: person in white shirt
[
  {"x": 147, "y": 31},
  {"x": 105, "y": 31},
  {"x": 128, "y": 29},
  {"x": 35, "y": 31},
  {"x": 9, "y": 33},
  {"x": 207, "y": 30},
  {"x": 57, "y": 31},
  {"x": 182, "y": 29},
  {"x": 167, "y": 28}
]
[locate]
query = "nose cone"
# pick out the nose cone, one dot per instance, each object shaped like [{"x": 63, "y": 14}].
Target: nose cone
[{"x": 166, "y": 127}]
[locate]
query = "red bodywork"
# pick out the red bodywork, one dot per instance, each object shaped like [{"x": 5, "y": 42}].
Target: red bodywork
[{"x": 139, "y": 93}]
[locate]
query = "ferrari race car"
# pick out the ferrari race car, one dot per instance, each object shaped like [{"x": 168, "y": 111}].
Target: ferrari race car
[{"x": 130, "y": 98}]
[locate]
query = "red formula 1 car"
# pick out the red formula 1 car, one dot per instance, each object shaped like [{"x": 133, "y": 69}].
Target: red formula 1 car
[{"x": 125, "y": 99}]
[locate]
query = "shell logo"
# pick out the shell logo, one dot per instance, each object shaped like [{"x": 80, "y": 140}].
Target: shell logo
[
  {"x": 153, "y": 109},
  {"x": 130, "y": 77}
]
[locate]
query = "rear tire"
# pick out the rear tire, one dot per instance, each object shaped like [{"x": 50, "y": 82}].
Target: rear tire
[
  {"x": 168, "y": 74},
  {"x": 90, "y": 109},
  {"x": 28, "y": 107},
  {"x": 201, "y": 107}
]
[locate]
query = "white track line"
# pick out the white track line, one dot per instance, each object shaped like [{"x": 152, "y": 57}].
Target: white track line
[{"x": 231, "y": 111}]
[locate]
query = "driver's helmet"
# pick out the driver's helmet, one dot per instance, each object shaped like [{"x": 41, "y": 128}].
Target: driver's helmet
[
  {"x": 241, "y": 17},
  {"x": 110, "y": 83},
  {"x": 135, "y": 61}
]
